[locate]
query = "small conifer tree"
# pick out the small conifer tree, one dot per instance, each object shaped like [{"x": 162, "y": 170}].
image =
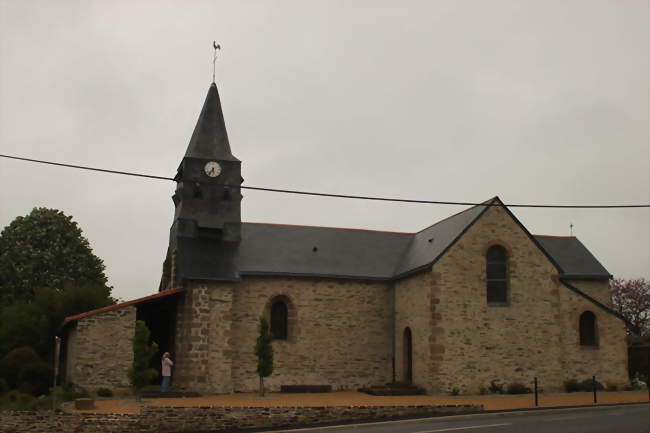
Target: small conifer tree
[
  {"x": 264, "y": 352},
  {"x": 140, "y": 374}
]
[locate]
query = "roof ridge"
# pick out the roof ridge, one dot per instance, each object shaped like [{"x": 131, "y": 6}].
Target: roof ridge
[{"x": 328, "y": 227}]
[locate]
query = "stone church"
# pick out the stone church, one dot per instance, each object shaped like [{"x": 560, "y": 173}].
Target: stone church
[{"x": 470, "y": 299}]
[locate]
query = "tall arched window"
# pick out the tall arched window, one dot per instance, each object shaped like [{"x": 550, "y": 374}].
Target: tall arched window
[
  {"x": 279, "y": 320},
  {"x": 497, "y": 275},
  {"x": 588, "y": 334}
]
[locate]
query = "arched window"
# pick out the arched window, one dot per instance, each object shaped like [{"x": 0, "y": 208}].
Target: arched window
[
  {"x": 497, "y": 275},
  {"x": 279, "y": 320},
  {"x": 588, "y": 334}
]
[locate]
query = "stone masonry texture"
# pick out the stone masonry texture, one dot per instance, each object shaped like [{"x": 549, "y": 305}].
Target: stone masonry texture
[
  {"x": 535, "y": 334},
  {"x": 192, "y": 419},
  {"x": 100, "y": 350},
  {"x": 339, "y": 334}
]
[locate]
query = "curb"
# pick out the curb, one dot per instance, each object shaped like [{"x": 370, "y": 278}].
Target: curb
[{"x": 521, "y": 411}]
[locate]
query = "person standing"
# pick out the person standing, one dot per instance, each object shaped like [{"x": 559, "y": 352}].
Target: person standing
[{"x": 166, "y": 372}]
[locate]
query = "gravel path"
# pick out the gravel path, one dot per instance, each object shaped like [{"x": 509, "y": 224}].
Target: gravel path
[{"x": 490, "y": 402}]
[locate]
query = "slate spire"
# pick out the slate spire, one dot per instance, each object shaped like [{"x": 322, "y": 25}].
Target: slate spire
[{"x": 210, "y": 139}]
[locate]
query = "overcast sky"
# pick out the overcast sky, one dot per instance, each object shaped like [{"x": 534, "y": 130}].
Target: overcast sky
[{"x": 533, "y": 101}]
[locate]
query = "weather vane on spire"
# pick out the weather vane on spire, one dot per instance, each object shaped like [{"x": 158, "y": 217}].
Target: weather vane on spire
[{"x": 214, "y": 57}]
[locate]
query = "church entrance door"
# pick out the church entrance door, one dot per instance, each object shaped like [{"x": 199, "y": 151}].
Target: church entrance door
[{"x": 408, "y": 356}]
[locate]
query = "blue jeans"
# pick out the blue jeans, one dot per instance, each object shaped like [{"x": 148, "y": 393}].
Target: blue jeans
[{"x": 164, "y": 386}]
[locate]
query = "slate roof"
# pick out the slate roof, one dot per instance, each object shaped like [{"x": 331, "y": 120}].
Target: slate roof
[
  {"x": 138, "y": 301},
  {"x": 210, "y": 139},
  {"x": 267, "y": 249},
  {"x": 573, "y": 257},
  {"x": 291, "y": 250}
]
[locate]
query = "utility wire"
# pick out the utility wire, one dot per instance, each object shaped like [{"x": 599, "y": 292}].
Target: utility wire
[{"x": 358, "y": 197}]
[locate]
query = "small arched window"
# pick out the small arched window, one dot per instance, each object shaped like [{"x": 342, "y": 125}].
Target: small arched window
[
  {"x": 497, "y": 275},
  {"x": 588, "y": 334},
  {"x": 279, "y": 320}
]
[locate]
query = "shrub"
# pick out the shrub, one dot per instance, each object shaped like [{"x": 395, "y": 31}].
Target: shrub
[
  {"x": 496, "y": 387},
  {"x": 517, "y": 388},
  {"x": 571, "y": 385},
  {"x": 637, "y": 383},
  {"x": 16, "y": 400},
  {"x": 140, "y": 372},
  {"x": 482, "y": 389},
  {"x": 588, "y": 385},
  {"x": 104, "y": 392},
  {"x": 14, "y": 361},
  {"x": 63, "y": 394},
  {"x": 611, "y": 386},
  {"x": 35, "y": 378},
  {"x": 454, "y": 391},
  {"x": 4, "y": 387}
]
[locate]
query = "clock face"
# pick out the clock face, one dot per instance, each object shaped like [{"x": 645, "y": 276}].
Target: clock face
[{"x": 212, "y": 169}]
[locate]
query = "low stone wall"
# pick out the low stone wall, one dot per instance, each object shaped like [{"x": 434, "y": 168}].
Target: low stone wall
[{"x": 156, "y": 419}]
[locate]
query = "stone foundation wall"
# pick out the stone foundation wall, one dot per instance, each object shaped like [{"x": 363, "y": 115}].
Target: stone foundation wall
[
  {"x": 192, "y": 419},
  {"x": 99, "y": 350}
]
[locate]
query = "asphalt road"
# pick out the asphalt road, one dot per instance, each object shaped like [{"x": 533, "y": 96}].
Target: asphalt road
[{"x": 620, "y": 419}]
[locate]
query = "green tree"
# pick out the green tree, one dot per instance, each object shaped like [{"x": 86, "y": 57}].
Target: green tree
[
  {"x": 12, "y": 364},
  {"x": 23, "y": 324},
  {"x": 45, "y": 249},
  {"x": 37, "y": 322},
  {"x": 140, "y": 374},
  {"x": 264, "y": 352}
]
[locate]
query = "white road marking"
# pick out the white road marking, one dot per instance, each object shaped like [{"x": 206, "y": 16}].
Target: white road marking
[{"x": 464, "y": 428}]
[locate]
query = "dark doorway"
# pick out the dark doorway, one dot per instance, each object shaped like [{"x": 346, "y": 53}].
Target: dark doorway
[
  {"x": 160, "y": 317},
  {"x": 408, "y": 356}
]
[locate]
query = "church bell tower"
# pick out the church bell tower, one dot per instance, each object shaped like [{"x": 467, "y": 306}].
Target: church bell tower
[{"x": 205, "y": 234}]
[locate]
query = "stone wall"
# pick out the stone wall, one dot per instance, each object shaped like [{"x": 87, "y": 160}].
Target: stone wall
[
  {"x": 192, "y": 419},
  {"x": 531, "y": 336},
  {"x": 99, "y": 349},
  {"x": 339, "y": 334},
  {"x": 608, "y": 360},
  {"x": 413, "y": 310},
  {"x": 193, "y": 343}
]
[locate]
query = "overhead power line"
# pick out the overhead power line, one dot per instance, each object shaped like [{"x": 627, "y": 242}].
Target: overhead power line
[{"x": 322, "y": 194}]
